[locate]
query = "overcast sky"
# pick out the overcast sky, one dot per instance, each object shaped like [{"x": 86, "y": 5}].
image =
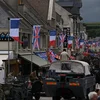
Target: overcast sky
[{"x": 90, "y": 10}]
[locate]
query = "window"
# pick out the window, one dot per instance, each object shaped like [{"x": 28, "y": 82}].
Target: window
[{"x": 65, "y": 66}]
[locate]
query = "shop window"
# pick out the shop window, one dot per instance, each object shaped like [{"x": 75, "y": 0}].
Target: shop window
[{"x": 26, "y": 41}]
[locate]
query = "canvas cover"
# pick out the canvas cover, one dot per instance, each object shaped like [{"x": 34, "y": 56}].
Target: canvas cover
[{"x": 71, "y": 66}]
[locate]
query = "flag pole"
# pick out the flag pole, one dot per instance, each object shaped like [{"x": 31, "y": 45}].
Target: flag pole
[
  {"x": 8, "y": 45},
  {"x": 31, "y": 49}
]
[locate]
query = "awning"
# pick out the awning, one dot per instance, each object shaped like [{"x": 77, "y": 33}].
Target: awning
[{"x": 35, "y": 59}]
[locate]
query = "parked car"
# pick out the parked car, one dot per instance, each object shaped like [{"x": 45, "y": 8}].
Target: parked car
[{"x": 69, "y": 79}]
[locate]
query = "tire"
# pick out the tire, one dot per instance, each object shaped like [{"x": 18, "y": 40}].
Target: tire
[
  {"x": 36, "y": 86},
  {"x": 55, "y": 98},
  {"x": 37, "y": 96}
]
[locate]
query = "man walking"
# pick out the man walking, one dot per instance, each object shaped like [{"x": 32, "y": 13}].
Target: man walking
[{"x": 64, "y": 55}]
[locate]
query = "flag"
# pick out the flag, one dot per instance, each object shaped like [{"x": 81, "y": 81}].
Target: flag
[
  {"x": 52, "y": 41},
  {"x": 89, "y": 44},
  {"x": 70, "y": 41},
  {"x": 77, "y": 43},
  {"x": 94, "y": 43},
  {"x": 14, "y": 29},
  {"x": 62, "y": 38},
  {"x": 81, "y": 43},
  {"x": 36, "y": 36},
  {"x": 51, "y": 56}
]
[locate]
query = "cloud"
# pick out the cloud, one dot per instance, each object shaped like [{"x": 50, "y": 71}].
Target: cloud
[{"x": 90, "y": 10}]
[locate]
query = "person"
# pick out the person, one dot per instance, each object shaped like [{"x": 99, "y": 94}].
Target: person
[
  {"x": 33, "y": 76},
  {"x": 93, "y": 96},
  {"x": 98, "y": 92},
  {"x": 64, "y": 55}
]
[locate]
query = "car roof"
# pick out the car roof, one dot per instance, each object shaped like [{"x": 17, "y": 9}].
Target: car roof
[{"x": 85, "y": 64}]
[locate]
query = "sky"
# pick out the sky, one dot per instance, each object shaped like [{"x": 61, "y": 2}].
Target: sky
[{"x": 90, "y": 10}]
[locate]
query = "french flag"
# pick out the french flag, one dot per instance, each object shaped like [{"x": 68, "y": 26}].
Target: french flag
[
  {"x": 52, "y": 42},
  {"x": 70, "y": 41},
  {"x": 81, "y": 43},
  {"x": 14, "y": 29}
]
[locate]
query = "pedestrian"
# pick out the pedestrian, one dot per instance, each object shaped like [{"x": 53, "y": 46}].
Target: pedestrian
[
  {"x": 98, "y": 93},
  {"x": 64, "y": 55},
  {"x": 33, "y": 76},
  {"x": 93, "y": 96}
]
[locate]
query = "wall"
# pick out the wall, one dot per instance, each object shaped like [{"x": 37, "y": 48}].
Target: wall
[
  {"x": 4, "y": 45},
  {"x": 68, "y": 22}
]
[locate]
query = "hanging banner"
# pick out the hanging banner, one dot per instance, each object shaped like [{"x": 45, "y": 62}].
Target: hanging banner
[
  {"x": 70, "y": 41},
  {"x": 52, "y": 42},
  {"x": 61, "y": 39},
  {"x": 81, "y": 43},
  {"x": 77, "y": 43},
  {"x": 36, "y": 37},
  {"x": 14, "y": 29}
]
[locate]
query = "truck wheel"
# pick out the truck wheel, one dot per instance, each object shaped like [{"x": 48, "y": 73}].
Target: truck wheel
[
  {"x": 55, "y": 98},
  {"x": 36, "y": 86},
  {"x": 37, "y": 96}
]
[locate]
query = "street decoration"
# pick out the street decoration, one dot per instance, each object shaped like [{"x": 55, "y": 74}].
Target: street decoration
[
  {"x": 70, "y": 41},
  {"x": 61, "y": 39},
  {"x": 77, "y": 43},
  {"x": 14, "y": 29},
  {"x": 36, "y": 37},
  {"x": 52, "y": 42},
  {"x": 81, "y": 43}
]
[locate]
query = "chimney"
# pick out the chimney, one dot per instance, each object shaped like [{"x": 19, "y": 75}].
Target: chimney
[{"x": 20, "y": 6}]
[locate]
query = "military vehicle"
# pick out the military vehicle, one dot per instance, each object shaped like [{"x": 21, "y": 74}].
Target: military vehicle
[{"x": 69, "y": 79}]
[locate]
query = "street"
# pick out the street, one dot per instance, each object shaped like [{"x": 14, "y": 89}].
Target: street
[
  {"x": 46, "y": 98},
  {"x": 50, "y": 98}
]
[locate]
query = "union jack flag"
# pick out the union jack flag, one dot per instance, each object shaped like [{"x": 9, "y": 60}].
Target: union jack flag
[
  {"x": 62, "y": 38},
  {"x": 77, "y": 43},
  {"x": 36, "y": 36},
  {"x": 52, "y": 56}
]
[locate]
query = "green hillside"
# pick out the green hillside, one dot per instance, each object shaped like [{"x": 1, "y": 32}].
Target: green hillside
[{"x": 93, "y": 29}]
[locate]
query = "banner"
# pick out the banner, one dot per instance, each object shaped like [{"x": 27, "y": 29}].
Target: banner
[
  {"x": 70, "y": 41},
  {"x": 52, "y": 42},
  {"x": 61, "y": 39},
  {"x": 14, "y": 29},
  {"x": 36, "y": 37},
  {"x": 77, "y": 43},
  {"x": 81, "y": 43}
]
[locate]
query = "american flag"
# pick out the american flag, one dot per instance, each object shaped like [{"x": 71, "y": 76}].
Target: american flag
[
  {"x": 36, "y": 36},
  {"x": 62, "y": 38}
]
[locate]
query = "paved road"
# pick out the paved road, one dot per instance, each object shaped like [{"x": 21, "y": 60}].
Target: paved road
[{"x": 49, "y": 98}]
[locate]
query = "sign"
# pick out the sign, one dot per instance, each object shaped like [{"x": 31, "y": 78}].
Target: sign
[{"x": 5, "y": 37}]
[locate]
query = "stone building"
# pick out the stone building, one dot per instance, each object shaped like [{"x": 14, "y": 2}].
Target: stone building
[
  {"x": 31, "y": 13},
  {"x": 64, "y": 19}
]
